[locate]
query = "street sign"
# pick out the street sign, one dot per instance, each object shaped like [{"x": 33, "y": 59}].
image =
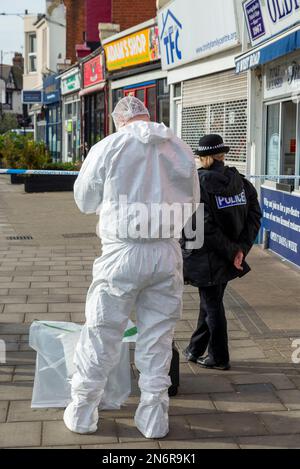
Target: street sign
[{"x": 32, "y": 97}]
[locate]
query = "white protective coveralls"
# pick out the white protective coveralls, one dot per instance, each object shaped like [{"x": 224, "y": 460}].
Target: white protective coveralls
[{"x": 146, "y": 162}]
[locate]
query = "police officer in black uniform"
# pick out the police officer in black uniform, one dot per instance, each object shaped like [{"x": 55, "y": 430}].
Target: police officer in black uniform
[{"x": 232, "y": 219}]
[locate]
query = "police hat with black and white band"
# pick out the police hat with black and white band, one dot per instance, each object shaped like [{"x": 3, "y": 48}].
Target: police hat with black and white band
[{"x": 210, "y": 145}]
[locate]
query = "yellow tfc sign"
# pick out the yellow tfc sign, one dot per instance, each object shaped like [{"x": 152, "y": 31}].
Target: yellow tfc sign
[{"x": 138, "y": 48}]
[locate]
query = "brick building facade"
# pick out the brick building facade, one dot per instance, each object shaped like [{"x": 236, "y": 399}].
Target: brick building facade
[
  {"x": 83, "y": 17},
  {"x": 128, "y": 13}
]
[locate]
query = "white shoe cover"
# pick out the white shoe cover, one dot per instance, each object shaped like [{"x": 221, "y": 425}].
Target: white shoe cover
[
  {"x": 85, "y": 414},
  {"x": 151, "y": 417}
]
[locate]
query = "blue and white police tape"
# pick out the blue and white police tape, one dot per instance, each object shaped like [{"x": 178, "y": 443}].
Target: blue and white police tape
[
  {"x": 42, "y": 172},
  {"x": 75, "y": 173}
]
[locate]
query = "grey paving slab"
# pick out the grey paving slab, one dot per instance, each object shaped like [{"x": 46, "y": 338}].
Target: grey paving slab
[
  {"x": 15, "y": 318},
  {"x": 228, "y": 424},
  {"x": 20, "y": 358},
  {"x": 30, "y": 317},
  {"x": 47, "y": 298},
  {"x": 213, "y": 443},
  {"x": 31, "y": 278},
  {"x": 270, "y": 442},
  {"x": 15, "y": 391},
  {"x": 247, "y": 402},
  {"x": 282, "y": 423},
  {"x": 290, "y": 399},
  {"x": 21, "y": 411},
  {"x": 204, "y": 384},
  {"x": 278, "y": 380},
  {"x": 66, "y": 307},
  {"x": 23, "y": 373},
  {"x": 78, "y": 298},
  {"x": 21, "y": 434},
  {"x": 6, "y": 373},
  {"x": 124, "y": 446},
  {"x": 179, "y": 430},
  {"x": 3, "y": 411},
  {"x": 17, "y": 300},
  {"x": 191, "y": 405},
  {"x": 26, "y": 308},
  {"x": 55, "y": 433}
]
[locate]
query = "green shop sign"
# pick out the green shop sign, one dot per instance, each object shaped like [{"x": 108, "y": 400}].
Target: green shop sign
[{"x": 70, "y": 83}]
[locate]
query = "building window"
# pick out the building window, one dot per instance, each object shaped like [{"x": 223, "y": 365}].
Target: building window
[
  {"x": 45, "y": 46},
  {"x": 9, "y": 99},
  {"x": 32, "y": 65}
]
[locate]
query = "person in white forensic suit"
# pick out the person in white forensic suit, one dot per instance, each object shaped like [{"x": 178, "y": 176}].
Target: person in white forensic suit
[{"x": 146, "y": 164}]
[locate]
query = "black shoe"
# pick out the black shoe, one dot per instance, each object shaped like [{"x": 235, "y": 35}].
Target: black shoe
[
  {"x": 189, "y": 356},
  {"x": 208, "y": 362}
]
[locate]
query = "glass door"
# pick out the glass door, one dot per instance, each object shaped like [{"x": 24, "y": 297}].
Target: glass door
[
  {"x": 273, "y": 140},
  {"x": 289, "y": 138},
  {"x": 283, "y": 149}
]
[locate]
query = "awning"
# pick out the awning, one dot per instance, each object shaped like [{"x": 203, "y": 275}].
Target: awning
[
  {"x": 268, "y": 51},
  {"x": 93, "y": 89}
]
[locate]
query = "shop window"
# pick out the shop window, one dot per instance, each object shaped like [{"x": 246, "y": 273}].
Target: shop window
[
  {"x": 177, "y": 90},
  {"x": 68, "y": 111},
  {"x": 140, "y": 94},
  {"x": 94, "y": 110},
  {"x": 163, "y": 102},
  {"x": 151, "y": 103},
  {"x": 273, "y": 139}
]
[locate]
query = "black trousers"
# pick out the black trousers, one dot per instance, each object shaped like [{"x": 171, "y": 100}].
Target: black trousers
[{"x": 211, "y": 329}]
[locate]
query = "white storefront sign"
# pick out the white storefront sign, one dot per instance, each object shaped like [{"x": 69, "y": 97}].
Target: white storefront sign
[
  {"x": 192, "y": 29},
  {"x": 282, "y": 78},
  {"x": 71, "y": 83},
  {"x": 267, "y": 18}
]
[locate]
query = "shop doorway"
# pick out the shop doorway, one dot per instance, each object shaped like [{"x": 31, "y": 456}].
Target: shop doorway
[{"x": 147, "y": 94}]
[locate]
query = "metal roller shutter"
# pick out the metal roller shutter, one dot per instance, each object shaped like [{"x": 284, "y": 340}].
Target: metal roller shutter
[{"x": 217, "y": 104}]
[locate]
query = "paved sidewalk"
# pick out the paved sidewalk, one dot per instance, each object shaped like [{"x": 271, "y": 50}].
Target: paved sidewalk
[{"x": 255, "y": 405}]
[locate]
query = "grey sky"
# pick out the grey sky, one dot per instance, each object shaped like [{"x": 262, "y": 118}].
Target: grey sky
[{"x": 11, "y": 27}]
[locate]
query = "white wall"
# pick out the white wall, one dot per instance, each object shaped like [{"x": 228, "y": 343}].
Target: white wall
[
  {"x": 31, "y": 81},
  {"x": 53, "y": 30},
  {"x": 57, "y": 44}
]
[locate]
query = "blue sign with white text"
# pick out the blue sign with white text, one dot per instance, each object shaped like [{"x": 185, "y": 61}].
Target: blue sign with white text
[
  {"x": 281, "y": 216},
  {"x": 51, "y": 89},
  {"x": 32, "y": 97}
]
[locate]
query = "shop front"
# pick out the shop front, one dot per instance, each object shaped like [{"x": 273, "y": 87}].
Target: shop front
[
  {"x": 52, "y": 113},
  {"x": 134, "y": 68},
  {"x": 93, "y": 101},
  {"x": 71, "y": 114},
  {"x": 274, "y": 67},
  {"x": 206, "y": 94}
]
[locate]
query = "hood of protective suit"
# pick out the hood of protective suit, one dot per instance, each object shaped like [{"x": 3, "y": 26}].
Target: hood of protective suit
[
  {"x": 148, "y": 132},
  {"x": 132, "y": 175},
  {"x": 221, "y": 180}
]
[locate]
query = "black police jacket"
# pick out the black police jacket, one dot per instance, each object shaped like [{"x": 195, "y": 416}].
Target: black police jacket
[{"x": 232, "y": 219}]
